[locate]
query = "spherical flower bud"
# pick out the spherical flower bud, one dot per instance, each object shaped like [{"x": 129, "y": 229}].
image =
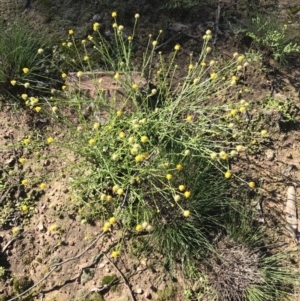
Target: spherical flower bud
[
  {"x": 120, "y": 28},
  {"x": 25, "y": 70},
  {"x": 181, "y": 188},
  {"x": 79, "y": 73},
  {"x": 177, "y": 47},
  {"x": 179, "y": 167},
  {"x": 144, "y": 139},
  {"x": 169, "y": 176},
  {"x": 154, "y": 43},
  {"x": 187, "y": 152},
  {"x": 136, "y": 16},
  {"x": 227, "y": 175},
  {"x": 96, "y": 26},
  {"x": 186, "y": 213},
  {"x": 26, "y": 85},
  {"x": 187, "y": 194},
  {"x": 40, "y": 51},
  {"x": 264, "y": 132},
  {"x": 114, "y": 14},
  {"x": 251, "y": 184},
  {"x": 92, "y": 142},
  {"x": 112, "y": 220},
  {"x": 71, "y": 31},
  {"x": 139, "y": 228},
  {"x": 177, "y": 198}
]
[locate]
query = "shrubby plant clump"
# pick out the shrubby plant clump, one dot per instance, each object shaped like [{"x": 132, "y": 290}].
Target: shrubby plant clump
[{"x": 154, "y": 150}]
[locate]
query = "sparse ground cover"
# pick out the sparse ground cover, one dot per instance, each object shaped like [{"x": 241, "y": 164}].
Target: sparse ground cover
[{"x": 139, "y": 167}]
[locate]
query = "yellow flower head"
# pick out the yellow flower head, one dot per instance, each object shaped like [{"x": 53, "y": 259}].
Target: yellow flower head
[
  {"x": 177, "y": 47},
  {"x": 114, "y": 14},
  {"x": 96, "y": 125},
  {"x": 69, "y": 44},
  {"x": 40, "y": 51},
  {"x": 120, "y": 191},
  {"x": 13, "y": 82},
  {"x": 53, "y": 227},
  {"x": 24, "y": 208},
  {"x": 169, "y": 176},
  {"x": 117, "y": 76},
  {"x": 86, "y": 58},
  {"x": 186, "y": 213},
  {"x": 50, "y": 139},
  {"x": 63, "y": 75},
  {"x": 264, "y": 132},
  {"x": 83, "y": 41},
  {"x": 251, "y": 184},
  {"x": 179, "y": 167},
  {"x": 37, "y": 109},
  {"x": 136, "y": 16},
  {"x": 71, "y": 31},
  {"x": 90, "y": 38},
  {"x": 135, "y": 86},
  {"x": 144, "y": 139},
  {"x": 22, "y": 160},
  {"x": 187, "y": 194},
  {"x": 122, "y": 135},
  {"x": 43, "y": 186},
  {"x": 63, "y": 87},
  {"x": 15, "y": 230},
  {"x": 119, "y": 113},
  {"x": 189, "y": 118},
  {"x": 26, "y": 85},
  {"x": 24, "y": 96},
  {"x": 213, "y": 75},
  {"x": 112, "y": 220},
  {"x": 26, "y": 141},
  {"x": 181, "y": 188},
  {"x": 54, "y": 109},
  {"x": 138, "y": 158},
  {"x": 96, "y": 26},
  {"x": 79, "y": 73},
  {"x": 177, "y": 198},
  {"x": 115, "y": 254},
  {"x": 227, "y": 175},
  {"x": 129, "y": 38},
  {"x": 92, "y": 142},
  {"x": 25, "y": 70},
  {"x": 139, "y": 227}
]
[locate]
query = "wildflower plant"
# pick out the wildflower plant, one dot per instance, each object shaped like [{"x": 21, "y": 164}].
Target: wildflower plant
[{"x": 154, "y": 152}]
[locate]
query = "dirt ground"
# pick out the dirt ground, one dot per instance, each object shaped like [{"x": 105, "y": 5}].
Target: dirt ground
[{"x": 33, "y": 250}]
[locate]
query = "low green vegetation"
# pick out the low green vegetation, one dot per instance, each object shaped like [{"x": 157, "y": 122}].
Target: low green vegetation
[{"x": 152, "y": 154}]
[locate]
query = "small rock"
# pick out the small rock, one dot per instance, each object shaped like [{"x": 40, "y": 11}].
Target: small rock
[
  {"x": 72, "y": 243},
  {"x": 139, "y": 291},
  {"x": 41, "y": 227},
  {"x": 270, "y": 155}
]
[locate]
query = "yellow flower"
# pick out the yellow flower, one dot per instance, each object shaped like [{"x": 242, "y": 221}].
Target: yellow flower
[
  {"x": 40, "y": 51},
  {"x": 86, "y": 58},
  {"x": 203, "y": 64},
  {"x": 114, "y": 14},
  {"x": 144, "y": 120},
  {"x": 119, "y": 113},
  {"x": 112, "y": 220},
  {"x": 234, "y": 78},
  {"x": 117, "y": 76},
  {"x": 92, "y": 142},
  {"x": 115, "y": 254},
  {"x": 223, "y": 155},
  {"x": 189, "y": 118},
  {"x": 240, "y": 58},
  {"x": 179, "y": 167},
  {"x": 208, "y": 49},
  {"x": 176, "y": 198},
  {"x": 96, "y": 125},
  {"x": 187, "y": 152},
  {"x": 24, "y": 208},
  {"x": 24, "y": 182},
  {"x": 24, "y": 96},
  {"x": 177, "y": 47},
  {"x": 191, "y": 66},
  {"x": 25, "y": 70},
  {"x": 139, "y": 227},
  {"x": 63, "y": 44},
  {"x": 22, "y": 160},
  {"x": 54, "y": 109},
  {"x": 213, "y": 155},
  {"x": 233, "y": 112},
  {"x": 264, "y": 132},
  {"x": 120, "y": 191},
  {"x": 90, "y": 37},
  {"x": 69, "y": 44},
  {"x": 64, "y": 87},
  {"x": 186, "y": 213},
  {"x": 15, "y": 230},
  {"x": 122, "y": 134},
  {"x": 63, "y": 75},
  {"x": 138, "y": 158},
  {"x": 13, "y": 82},
  {"x": 71, "y": 31},
  {"x": 83, "y": 41},
  {"x": 135, "y": 86},
  {"x": 37, "y": 109},
  {"x": 144, "y": 139},
  {"x": 115, "y": 25},
  {"x": 136, "y": 16},
  {"x": 169, "y": 176},
  {"x": 53, "y": 227},
  {"x": 181, "y": 188},
  {"x": 187, "y": 194},
  {"x": 50, "y": 139},
  {"x": 213, "y": 75},
  {"x": 252, "y": 184},
  {"x": 43, "y": 186},
  {"x": 227, "y": 175},
  {"x": 96, "y": 26},
  {"x": 242, "y": 109},
  {"x": 129, "y": 38},
  {"x": 26, "y": 141},
  {"x": 79, "y": 73},
  {"x": 154, "y": 43},
  {"x": 26, "y": 85},
  {"x": 120, "y": 28}
]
